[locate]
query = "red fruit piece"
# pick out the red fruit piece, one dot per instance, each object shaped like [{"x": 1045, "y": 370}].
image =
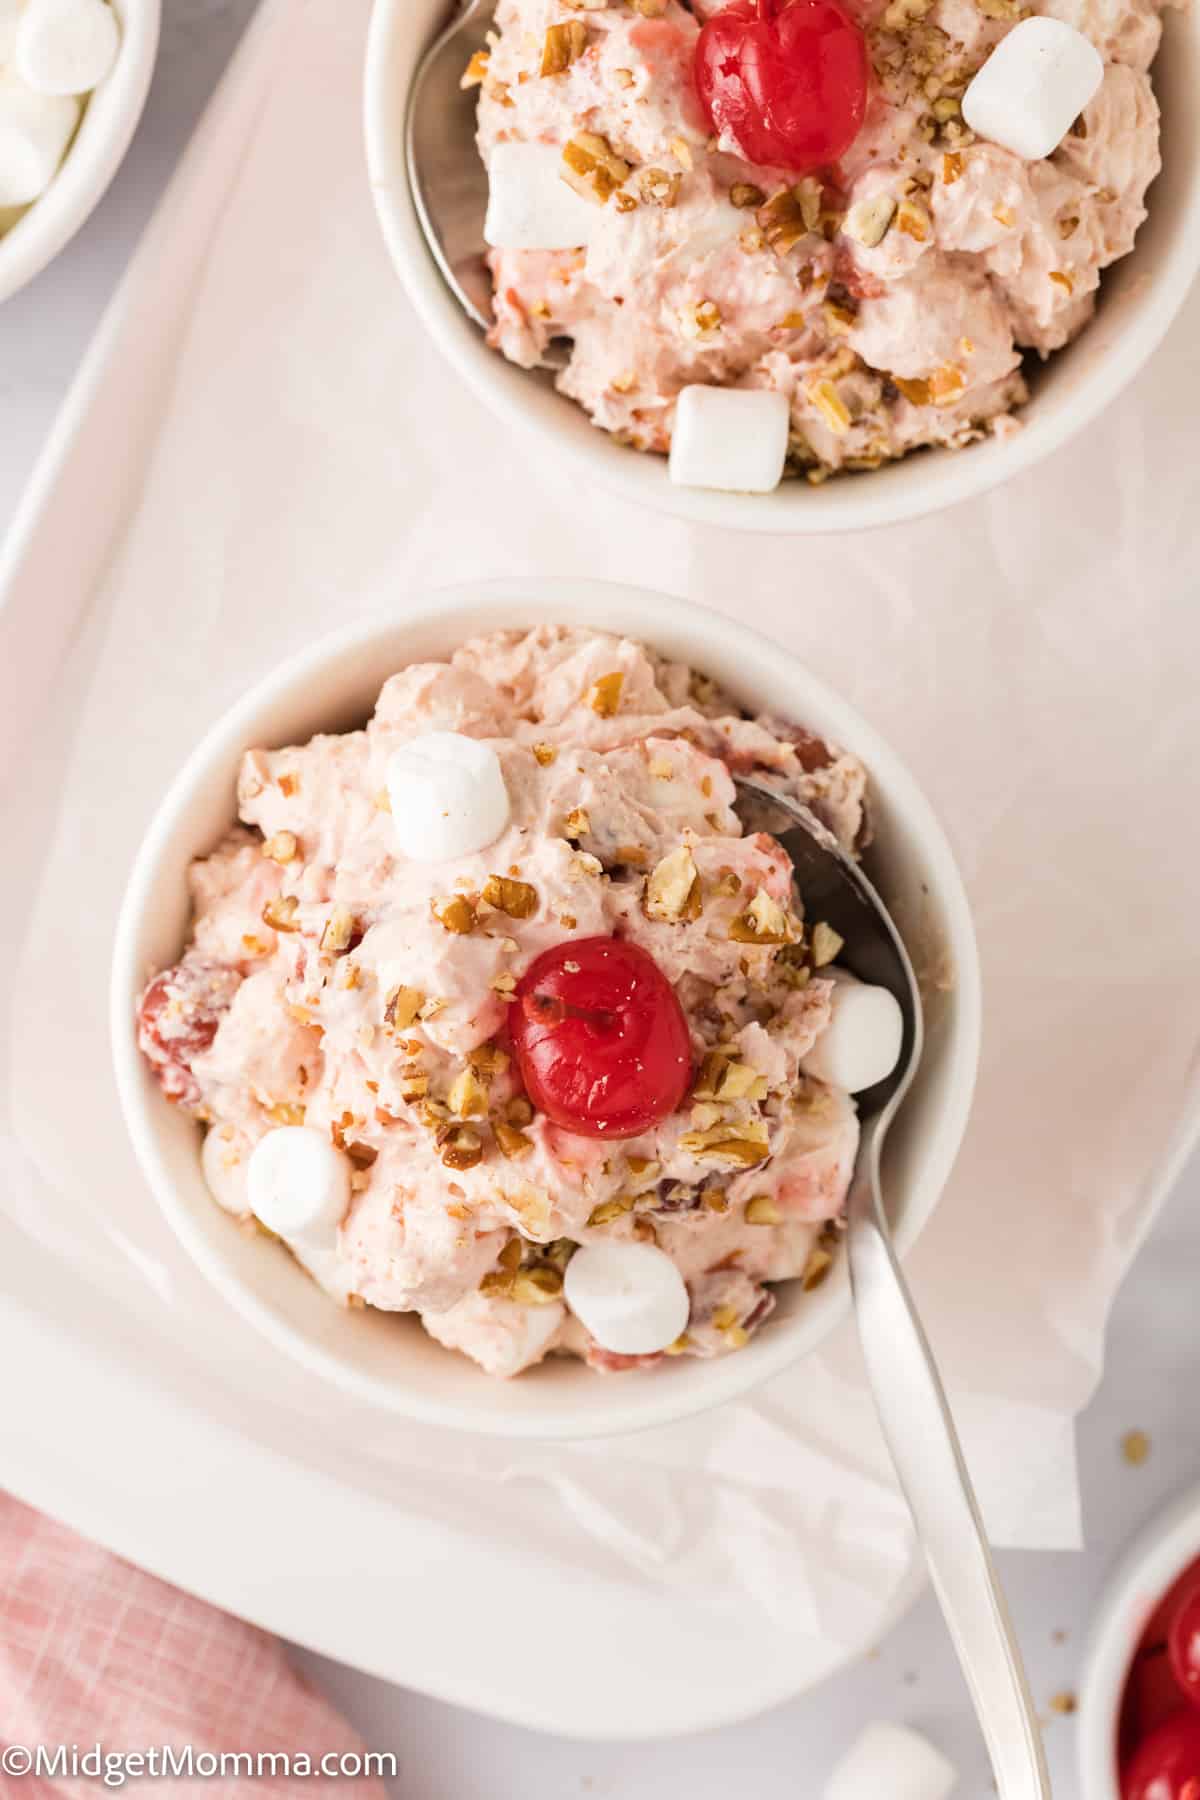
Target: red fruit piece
[
  {"x": 1183, "y": 1640},
  {"x": 1166, "y": 1765},
  {"x": 785, "y": 80},
  {"x": 600, "y": 1039},
  {"x": 1151, "y": 1695},
  {"x": 611, "y": 1362},
  {"x": 178, "y": 1016}
]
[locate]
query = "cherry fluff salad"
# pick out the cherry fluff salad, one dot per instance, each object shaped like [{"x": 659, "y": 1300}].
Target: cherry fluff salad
[
  {"x": 494, "y": 1013},
  {"x": 799, "y": 237}
]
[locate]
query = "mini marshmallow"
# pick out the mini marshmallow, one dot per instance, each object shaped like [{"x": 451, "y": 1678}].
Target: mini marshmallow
[
  {"x": 224, "y": 1170},
  {"x": 447, "y": 796},
  {"x": 891, "y": 1760},
  {"x": 1033, "y": 87},
  {"x": 66, "y": 46},
  {"x": 299, "y": 1185},
  {"x": 630, "y": 1297},
  {"x": 530, "y": 206},
  {"x": 731, "y": 438},
  {"x": 35, "y": 130},
  {"x": 862, "y": 1042}
]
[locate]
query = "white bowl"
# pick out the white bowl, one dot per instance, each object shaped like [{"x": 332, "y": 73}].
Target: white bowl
[
  {"x": 110, "y": 117},
  {"x": 1149, "y": 1568},
  {"x": 1140, "y": 297},
  {"x": 388, "y": 1359}
]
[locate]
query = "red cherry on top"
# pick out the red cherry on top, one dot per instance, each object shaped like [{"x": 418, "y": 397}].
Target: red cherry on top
[
  {"x": 600, "y": 1039},
  {"x": 1166, "y": 1765},
  {"x": 1183, "y": 1642},
  {"x": 786, "y": 80}
]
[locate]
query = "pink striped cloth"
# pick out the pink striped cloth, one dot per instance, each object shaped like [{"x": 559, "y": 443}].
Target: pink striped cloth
[{"x": 95, "y": 1652}]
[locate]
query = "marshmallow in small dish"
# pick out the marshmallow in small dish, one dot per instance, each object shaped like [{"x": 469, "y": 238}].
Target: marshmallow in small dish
[
  {"x": 35, "y": 130},
  {"x": 447, "y": 796},
  {"x": 52, "y": 53},
  {"x": 65, "y": 46},
  {"x": 1033, "y": 87},
  {"x": 734, "y": 439}
]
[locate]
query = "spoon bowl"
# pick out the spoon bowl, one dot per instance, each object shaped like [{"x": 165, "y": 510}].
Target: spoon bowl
[
  {"x": 450, "y": 189},
  {"x": 1138, "y": 299}
]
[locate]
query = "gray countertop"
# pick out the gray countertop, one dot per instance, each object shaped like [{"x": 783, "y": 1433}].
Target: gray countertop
[{"x": 445, "y": 1754}]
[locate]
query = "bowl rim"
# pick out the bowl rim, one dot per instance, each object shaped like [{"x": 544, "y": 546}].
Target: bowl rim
[
  {"x": 1158, "y": 1554},
  {"x": 491, "y": 605},
  {"x": 95, "y": 153},
  {"x": 913, "y": 488}
]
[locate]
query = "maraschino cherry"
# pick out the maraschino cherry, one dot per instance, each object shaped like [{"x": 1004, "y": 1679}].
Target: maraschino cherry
[
  {"x": 1166, "y": 1765},
  {"x": 600, "y": 1038},
  {"x": 1183, "y": 1643},
  {"x": 784, "y": 80}
]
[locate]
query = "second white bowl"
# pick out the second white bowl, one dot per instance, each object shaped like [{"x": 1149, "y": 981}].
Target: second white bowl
[
  {"x": 1139, "y": 297},
  {"x": 389, "y": 1360}
]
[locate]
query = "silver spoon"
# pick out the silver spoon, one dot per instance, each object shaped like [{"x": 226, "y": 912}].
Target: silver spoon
[
  {"x": 909, "y": 1397},
  {"x": 445, "y": 171}
]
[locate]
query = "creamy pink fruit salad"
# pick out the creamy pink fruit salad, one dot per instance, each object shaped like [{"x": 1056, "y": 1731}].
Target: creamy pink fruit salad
[
  {"x": 893, "y": 300},
  {"x": 332, "y": 982}
]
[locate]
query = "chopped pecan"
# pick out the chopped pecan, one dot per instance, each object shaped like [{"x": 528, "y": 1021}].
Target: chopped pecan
[
  {"x": 826, "y": 944},
  {"x": 762, "y": 1210},
  {"x": 402, "y": 1006},
  {"x": 658, "y": 188},
  {"x": 608, "y": 1210},
  {"x": 763, "y": 922},
  {"x": 488, "y": 1060},
  {"x": 512, "y": 1141},
  {"x": 604, "y": 695},
  {"x": 791, "y": 214},
  {"x": 593, "y": 167},
  {"x": 280, "y": 912},
  {"x": 467, "y": 1098},
  {"x": 515, "y": 898},
  {"x": 741, "y": 1144},
  {"x": 454, "y": 912},
  {"x": 563, "y": 45},
  {"x": 283, "y": 846},
  {"x": 539, "y": 1286},
  {"x": 339, "y": 931},
  {"x": 461, "y": 1146},
  {"x": 673, "y": 888},
  {"x": 476, "y": 70},
  {"x": 869, "y": 222}
]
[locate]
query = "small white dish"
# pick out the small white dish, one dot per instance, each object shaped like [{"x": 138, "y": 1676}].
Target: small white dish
[
  {"x": 110, "y": 117},
  {"x": 1139, "y": 298},
  {"x": 389, "y": 1360},
  {"x": 1143, "y": 1577}
]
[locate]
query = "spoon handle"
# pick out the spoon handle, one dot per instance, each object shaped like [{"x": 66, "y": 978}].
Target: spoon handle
[{"x": 928, "y": 1459}]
